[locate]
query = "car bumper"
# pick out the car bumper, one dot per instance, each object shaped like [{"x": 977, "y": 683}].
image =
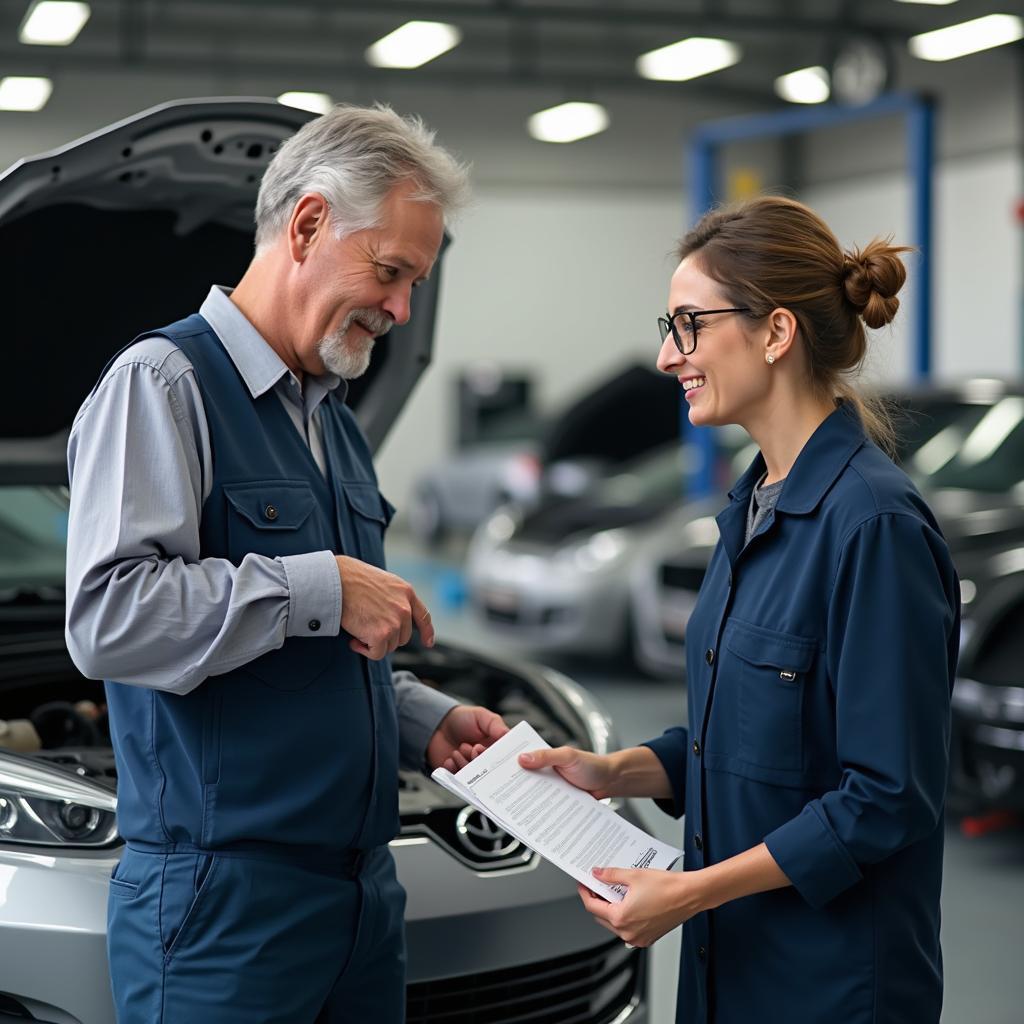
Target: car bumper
[
  {"x": 503, "y": 942},
  {"x": 549, "y": 611}
]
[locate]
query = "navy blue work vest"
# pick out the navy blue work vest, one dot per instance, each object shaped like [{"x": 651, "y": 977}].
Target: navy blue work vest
[{"x": 298, "y": 747}]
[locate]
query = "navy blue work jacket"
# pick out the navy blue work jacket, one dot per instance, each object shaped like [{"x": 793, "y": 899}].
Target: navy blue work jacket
[{"x": 820, "y": 661}]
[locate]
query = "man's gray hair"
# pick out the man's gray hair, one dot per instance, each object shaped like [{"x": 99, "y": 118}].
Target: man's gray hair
[{"x": 354, "y": 156}]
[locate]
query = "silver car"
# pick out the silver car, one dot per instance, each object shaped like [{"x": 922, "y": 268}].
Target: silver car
[
  {"x": 493, "y": 933},
  {"x": 556, "y": 579}
]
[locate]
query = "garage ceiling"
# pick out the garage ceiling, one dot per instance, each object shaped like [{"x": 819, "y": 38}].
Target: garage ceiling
[{"x": 585, "y": 48}]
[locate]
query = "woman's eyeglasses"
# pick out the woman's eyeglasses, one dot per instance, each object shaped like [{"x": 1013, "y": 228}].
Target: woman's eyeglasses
[{"x": 684, "y": 326}]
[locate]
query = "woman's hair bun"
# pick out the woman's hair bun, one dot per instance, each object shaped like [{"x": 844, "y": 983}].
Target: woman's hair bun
[{"x": 871, "y": 278}]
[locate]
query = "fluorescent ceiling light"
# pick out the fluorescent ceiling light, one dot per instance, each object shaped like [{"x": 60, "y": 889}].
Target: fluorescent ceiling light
[
  {"x": 318, "y": 102},
  {"x": 568, "y": 122},
  {"x": 808, "y": 85},
  {"x": 967, "y": 37},
  {"x": 413, "y": 44},
  {"x": 933, "y": 3},
  {"x": 53, "y": 22},
  {"x": 689, "y": 58},
  {"x": 24, "y": 93}
]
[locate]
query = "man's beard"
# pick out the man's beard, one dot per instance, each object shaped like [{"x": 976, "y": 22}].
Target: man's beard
[{"x": 349, "y": 357}]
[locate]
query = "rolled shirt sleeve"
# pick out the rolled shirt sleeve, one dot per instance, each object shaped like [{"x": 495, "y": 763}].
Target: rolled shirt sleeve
[
  {"x": 671, "y": 748},
  {"x": 142, "y": 607},
  {"x": 893, "y": 624}
]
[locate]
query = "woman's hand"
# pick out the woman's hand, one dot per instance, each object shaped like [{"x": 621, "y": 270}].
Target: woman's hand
[
  {"x": 657, "y": 902},
  {"x": 593, "y": 772}
]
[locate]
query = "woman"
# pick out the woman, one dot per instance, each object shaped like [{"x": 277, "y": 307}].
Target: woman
[{"x": 820, "y": 657}]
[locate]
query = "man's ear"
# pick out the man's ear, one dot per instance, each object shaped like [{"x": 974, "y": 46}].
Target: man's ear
[
  {"x": 307, "y": 224},
  {"x": 782, "y": 328}
]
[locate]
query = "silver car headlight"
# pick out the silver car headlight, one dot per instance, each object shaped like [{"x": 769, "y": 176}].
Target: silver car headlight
[
  {"x": 41, "y": 805},
  {"x": 595, "y": 553}
]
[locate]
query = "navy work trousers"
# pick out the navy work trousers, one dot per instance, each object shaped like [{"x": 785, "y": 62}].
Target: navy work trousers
[{"x": 220, "y": 938}]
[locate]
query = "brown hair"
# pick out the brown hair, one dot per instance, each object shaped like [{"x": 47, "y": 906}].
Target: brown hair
[{"x": 772, "y": 252}]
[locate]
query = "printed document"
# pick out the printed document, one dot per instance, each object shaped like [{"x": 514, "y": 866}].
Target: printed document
[{"x": 565, "y": 825}]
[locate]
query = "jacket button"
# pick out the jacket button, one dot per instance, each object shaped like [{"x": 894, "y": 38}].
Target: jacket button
[
  {"x": 270, "y": 512},
  {"x": 314, "y": 625},
  {"x": 698, "y": 842},
  {"x": 696, "y": 748},
  {"x": 709, "y": 656},
  {"x": 701, "y": 953}
]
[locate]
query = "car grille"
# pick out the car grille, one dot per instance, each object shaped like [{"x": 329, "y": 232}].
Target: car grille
[
  {"x": 682, "y": 577},
  {"x": 501, "y": 614},
  {"x": 593, "y": 987}
]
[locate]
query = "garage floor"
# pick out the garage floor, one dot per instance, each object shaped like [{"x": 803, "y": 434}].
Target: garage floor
[{"x": 983, "y": 891}]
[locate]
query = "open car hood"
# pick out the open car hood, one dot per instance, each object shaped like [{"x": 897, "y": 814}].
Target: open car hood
[{"x": 124, "y": 231}]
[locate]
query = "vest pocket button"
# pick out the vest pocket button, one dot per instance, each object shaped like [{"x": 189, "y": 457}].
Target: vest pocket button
[{"x": 270, "y": 512}]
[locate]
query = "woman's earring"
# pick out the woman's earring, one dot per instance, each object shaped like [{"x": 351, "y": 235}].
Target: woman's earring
[{"x": 769, "y": 358}]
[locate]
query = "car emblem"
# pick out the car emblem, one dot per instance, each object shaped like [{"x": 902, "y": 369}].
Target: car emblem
[{"x": 481, "y": 837}]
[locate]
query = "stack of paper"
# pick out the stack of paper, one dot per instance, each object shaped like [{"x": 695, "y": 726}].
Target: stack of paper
[{"x": 565, "y": 825}]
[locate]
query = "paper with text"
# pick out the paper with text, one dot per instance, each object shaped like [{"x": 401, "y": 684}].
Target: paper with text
[{"x": 565, "y": 825}]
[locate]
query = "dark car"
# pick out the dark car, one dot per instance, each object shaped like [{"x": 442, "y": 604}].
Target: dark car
[{"x": 118, "y": 232}]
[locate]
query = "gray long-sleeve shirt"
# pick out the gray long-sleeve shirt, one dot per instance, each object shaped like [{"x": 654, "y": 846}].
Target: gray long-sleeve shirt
[{"x": 142, "y": 606}]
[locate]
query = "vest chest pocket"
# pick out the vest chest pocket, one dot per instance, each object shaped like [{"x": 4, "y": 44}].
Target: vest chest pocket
[
  {"x": 272, "y": 518},
  {"x": 369, "y": 515},
  {"x": 771, "y": 670},
  {"x": 275, "y": 518}
]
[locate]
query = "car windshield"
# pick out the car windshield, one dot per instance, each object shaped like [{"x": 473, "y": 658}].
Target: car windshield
[
  {"x": 980, "y": 449},
  {"x": 33, "y": 540}
]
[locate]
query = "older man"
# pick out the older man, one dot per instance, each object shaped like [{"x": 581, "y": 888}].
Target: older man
[{"x": 225, "y": 567}]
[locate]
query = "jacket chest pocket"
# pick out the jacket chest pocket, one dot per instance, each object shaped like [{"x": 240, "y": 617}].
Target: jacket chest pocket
[
  {"x": 770, "y": 672},
  {"x": 369, "y": 513}
]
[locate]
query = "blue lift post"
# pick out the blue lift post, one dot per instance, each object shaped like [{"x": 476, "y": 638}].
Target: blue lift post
[{"x": 919, "y": 114}]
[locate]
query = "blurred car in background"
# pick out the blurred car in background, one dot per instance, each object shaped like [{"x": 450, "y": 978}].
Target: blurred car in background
[
  {"x": 521, "y": 457},
  {"x": 555, "y": 579},
  {"x": 493, "y": 932},
  {"x": 456, "y": 494}
]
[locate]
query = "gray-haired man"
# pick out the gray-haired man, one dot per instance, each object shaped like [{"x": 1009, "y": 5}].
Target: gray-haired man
[{"x": 225, "y": 576}]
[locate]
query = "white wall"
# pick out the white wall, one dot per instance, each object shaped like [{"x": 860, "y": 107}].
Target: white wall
[
  {"x": 976, "y": 254},
  {"x": 563, "y": 283}
]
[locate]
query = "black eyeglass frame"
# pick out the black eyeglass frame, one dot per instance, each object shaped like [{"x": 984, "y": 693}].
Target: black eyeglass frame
[{"x": 668, "y": 323}]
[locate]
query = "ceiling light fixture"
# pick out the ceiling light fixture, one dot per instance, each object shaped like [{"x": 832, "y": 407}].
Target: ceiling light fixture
[
  {"x": 808, "y": 85},
  {"x": 412, "y": 45},
  {"x": 28, "y": 94},
  {"x": 689, "y": 58},
  {"x": 53, "y": 22},
  {"x": 568, "y": 122},
  {"x": 932, "y": 3},
  {"x": 317, "y": 102},
  {"x": 967, "y": 37}
]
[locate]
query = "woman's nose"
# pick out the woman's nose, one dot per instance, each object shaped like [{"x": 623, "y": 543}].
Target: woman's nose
[{"x": 670, "y": 359}]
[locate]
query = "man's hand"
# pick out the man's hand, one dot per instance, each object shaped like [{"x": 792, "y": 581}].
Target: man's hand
[
  {"x": 379, "y": 609},
  {"x": 464, "y": 732}
]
